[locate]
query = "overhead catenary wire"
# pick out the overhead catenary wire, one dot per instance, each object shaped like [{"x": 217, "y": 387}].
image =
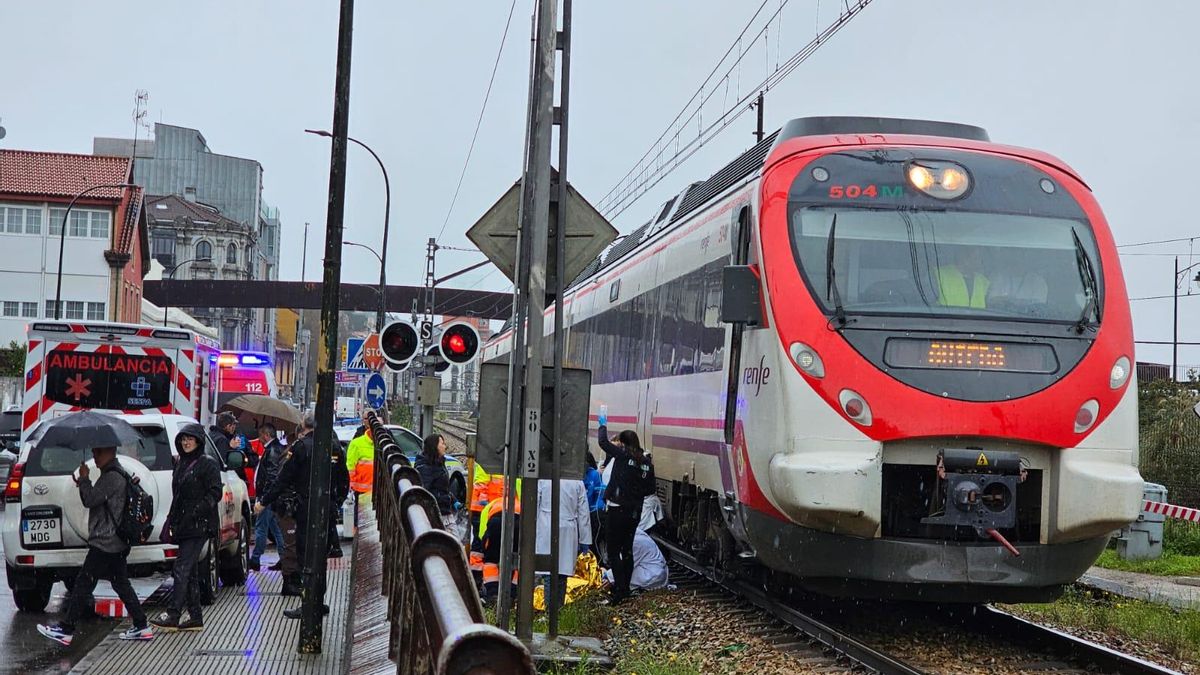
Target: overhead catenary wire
[
  {"x": 1160, "y": 241},
  {"x": 699, "y": 92},
  {"x": 479, "y": 122},
  {"x": 627, "y": 193}
]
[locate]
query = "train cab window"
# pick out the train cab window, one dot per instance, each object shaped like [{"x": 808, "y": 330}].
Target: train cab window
[{"x": 985, "y": 265}]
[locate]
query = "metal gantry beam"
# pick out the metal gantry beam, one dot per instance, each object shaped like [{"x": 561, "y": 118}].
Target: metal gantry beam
[{"x": 307, "y": 295}]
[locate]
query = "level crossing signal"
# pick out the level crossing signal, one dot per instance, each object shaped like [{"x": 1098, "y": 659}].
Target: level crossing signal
[
  {"x": 399, "y": 343},
  {"x": 459, "y": 344}
]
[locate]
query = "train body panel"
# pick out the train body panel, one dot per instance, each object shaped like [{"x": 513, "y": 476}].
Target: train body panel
[{"x": 867, "y": 366}]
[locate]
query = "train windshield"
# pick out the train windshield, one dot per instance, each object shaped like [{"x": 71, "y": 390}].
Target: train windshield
[{"x": 940, "y": 262}]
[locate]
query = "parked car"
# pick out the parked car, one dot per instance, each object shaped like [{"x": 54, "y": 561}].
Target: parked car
[
  {"x": 10, "y": 438},
  {"x": 410, "y": 443},
  {"x": 42, "y": 485}
]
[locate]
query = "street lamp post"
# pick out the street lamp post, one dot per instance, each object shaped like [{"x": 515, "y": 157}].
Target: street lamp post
[
  {"x": 379, "y": 318},
  {"x": 387, "y": 212},
  {"x": 62, "y": 239},
  {"x": 171, "y": 276},
  {"x": 1175, "y": 317}
]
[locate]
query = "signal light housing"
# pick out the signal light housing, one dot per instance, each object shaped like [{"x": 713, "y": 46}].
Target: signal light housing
[
  {"x": 442, "y": 363},
  {"x": 399, "y": 343},
  {"x": 459, "y": 344}
]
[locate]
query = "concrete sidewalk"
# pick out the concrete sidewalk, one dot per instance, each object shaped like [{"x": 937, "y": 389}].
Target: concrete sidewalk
[
  {"x": 1178, "y": 592},
  {"x": 244, "y": 632}
]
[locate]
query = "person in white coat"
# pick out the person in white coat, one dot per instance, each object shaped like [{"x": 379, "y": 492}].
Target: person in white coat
[{"x": 574, "y": 525}]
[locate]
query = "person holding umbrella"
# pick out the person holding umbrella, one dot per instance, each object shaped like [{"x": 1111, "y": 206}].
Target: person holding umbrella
[{"x": 105, "y": 501}]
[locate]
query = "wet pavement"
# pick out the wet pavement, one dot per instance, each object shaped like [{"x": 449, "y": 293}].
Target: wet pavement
[{"x": 26, "y": 651}]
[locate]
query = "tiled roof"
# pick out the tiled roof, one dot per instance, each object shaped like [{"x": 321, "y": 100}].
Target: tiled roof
[
  {"x": 129, "y": 228},
  {"x": 60, "y": 174},
  {"x": 170, "y": 207}
]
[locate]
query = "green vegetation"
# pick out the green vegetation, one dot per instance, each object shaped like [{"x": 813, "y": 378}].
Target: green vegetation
[
  {"x": 1181, "y": 537},
  {"x": 12, "y": 360},
  {"x": 1168, "y": 429},
  {"x": 1176, "y": 632},
  {"x": 1169, "y": 565}
]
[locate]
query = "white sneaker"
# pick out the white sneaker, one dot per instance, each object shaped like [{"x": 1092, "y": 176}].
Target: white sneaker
[{"x": 135, "y": 633}]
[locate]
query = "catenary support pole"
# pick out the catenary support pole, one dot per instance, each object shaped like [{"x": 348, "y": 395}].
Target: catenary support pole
[
  {"x": 317, "y": 506},
  {"x": 535, "y": 221},
  {"x": 516, "y": 364},
  {"x": 554, "y": 601}
]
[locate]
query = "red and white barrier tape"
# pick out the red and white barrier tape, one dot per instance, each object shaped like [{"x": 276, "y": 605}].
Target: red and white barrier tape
[{"x": 1172, "y": 511}]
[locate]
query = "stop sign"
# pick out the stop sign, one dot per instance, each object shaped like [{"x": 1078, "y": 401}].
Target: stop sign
[{"x": 372, "y": 355}]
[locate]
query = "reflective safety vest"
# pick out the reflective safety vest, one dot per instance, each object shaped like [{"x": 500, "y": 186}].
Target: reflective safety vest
[
  {"x": 360, "y": 460},
  {"x": 493, "y": 507},
  {"x": 952, "y": 289},
  {"x": 480, "y": 492}
]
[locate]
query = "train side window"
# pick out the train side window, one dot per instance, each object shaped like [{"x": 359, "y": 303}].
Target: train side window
[
  {"x": 739, "y": 238},
  {"x": 614, "y": 290}
]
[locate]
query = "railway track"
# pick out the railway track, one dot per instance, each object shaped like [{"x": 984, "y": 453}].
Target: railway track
[
  {"x": 975, "y": 634},
  {"x": 815, "y": 635},
  {"x": 455, "y": 433}
]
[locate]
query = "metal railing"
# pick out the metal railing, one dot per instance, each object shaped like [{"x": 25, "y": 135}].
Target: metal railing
[{"x": 437, "y": 620}]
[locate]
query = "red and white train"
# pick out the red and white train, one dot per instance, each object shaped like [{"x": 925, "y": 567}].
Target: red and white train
[{"x": 883, "y": 357}]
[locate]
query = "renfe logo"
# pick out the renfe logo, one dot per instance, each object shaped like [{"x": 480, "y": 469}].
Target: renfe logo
[{"x": 757, "y": 375}]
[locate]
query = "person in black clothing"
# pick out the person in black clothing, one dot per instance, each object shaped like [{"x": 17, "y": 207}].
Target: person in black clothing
[
  {"x": 193, "y": 521},
  {"x": 226, "y": 437},
  {"x": 431, "y": 464},
  {"x": 339, "y": 489},
  {"x": 290, "y": 492},
  {"x": 632, "y": 480},
  {"x": 265, "y": 523}
]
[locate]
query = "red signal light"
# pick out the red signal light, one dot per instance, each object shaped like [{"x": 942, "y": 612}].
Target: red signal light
[
  {"x": 399, "y": 343},
  {"x": 460, "y": 343}
]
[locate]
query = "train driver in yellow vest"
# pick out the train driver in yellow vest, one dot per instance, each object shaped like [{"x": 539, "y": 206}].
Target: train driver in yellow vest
[{"x": 962, "y": 282}]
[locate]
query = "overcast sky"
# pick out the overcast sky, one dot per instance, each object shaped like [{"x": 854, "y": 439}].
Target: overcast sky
[{"x": 1107, "y": 86}]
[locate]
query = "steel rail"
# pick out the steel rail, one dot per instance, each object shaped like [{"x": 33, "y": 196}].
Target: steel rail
[
  {"x": 999, "y": 622},
  {"x": 833, "y": 639}
]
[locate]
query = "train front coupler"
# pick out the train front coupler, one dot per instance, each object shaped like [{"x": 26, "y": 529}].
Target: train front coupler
[{"x": 978, "y": 488}]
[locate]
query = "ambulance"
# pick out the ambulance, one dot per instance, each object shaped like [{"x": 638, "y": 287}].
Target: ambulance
[{"x": 114, "y": 367}]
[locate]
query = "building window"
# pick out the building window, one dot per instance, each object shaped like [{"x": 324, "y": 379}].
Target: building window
[
  {"x": 78, "y": 224},
  {"x": 162, "y": 246},
  {"x": 20, "y": 220},
  {"x": 204, "y": 251},
  {"x": 29, "y": 310},
  {"x": 33, "y": 225},
  {"x": 99, "y": 224},
  {"x": 75, "y": 310},
  {"x": 11, "y": 308},
  {"x": 231, "y": 255},
  {"x": 95, "y": 311},
  {"x": 92, "y": 223}
]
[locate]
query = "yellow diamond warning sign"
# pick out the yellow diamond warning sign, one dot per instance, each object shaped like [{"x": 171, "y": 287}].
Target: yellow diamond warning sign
[{"x": 982, "y": 461}]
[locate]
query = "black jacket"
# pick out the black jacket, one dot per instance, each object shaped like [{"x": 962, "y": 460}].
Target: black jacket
[
  {"x": 339, "y": 480},
  {"x": 292, "y": 479},
  {"x": 268, "y": 466},
  {"x": 632, "y": 480},
  {"x": 435, "y": 479},
  {"x": 196, "y": 490}
]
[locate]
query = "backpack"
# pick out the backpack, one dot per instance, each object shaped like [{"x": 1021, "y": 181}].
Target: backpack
[{"x": 137, "y": 518}]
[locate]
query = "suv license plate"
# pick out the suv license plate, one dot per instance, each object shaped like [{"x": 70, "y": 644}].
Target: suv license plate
[{"x": 41, "y": 531}]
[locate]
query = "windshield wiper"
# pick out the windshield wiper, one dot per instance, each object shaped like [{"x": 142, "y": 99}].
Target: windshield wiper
[
  {"x": 1088, "y": 276},
  {"x": 831, "y": 291}
]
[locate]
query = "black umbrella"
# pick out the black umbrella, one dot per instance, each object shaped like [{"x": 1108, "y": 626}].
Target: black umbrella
[{"x": 86, "y": 430}]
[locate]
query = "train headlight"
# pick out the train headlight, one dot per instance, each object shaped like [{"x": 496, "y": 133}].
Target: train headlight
[
  {"x": 855, "y": 407},
  {"x": 1086, "y": 417},
  {"x": 806, "y": 359},
  {"x": 1119, "y": 374},
  {"x": 941, "y": 180}
]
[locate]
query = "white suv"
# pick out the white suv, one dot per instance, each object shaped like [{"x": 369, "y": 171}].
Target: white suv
[{"x": 44, "y": 525}]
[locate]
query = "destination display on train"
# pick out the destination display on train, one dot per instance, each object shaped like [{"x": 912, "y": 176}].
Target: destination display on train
[{"x": 970, "y": 355}]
